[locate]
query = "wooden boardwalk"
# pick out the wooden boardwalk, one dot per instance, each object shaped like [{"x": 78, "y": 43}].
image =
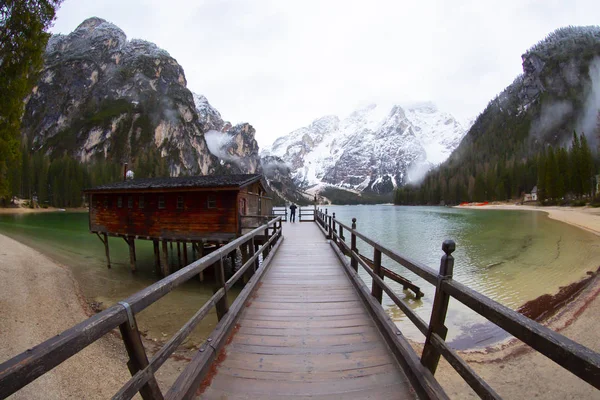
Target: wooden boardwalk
[{"x": 305, "y": 333}]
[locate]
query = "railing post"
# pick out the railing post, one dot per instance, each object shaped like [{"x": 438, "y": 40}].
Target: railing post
[
  {"x": 342, "y": 233},
  {"x": 221, "y": 306},
  {"x": 325, "y": 222},
  {"x": 333, "y": 228},
  {"x": 431, "y": 356},
  {"x": 376, "y": 290},
  {"x": 138, "y": 359},
  {"x": 353, "y": 261},
  {"x": 252, "y": 252}
]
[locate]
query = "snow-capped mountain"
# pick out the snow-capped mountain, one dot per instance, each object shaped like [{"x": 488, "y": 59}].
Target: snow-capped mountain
[{"x": 376, "y": 148}]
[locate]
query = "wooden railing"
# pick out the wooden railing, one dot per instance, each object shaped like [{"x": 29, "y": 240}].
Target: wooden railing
[
  {"x": 26, "y": 367},
  {"x": 306, "y": 214},
  {"x": 579, "y": 360},
  {"x": 279, "y": 211}
]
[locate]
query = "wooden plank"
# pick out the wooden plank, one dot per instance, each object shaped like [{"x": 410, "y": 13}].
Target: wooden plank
[
  {"x": 304, "y": 325},
  {"x": 306, "y": 376},
  {"x": 188, "y": 381},
  {"x": 421, "y": 379}
]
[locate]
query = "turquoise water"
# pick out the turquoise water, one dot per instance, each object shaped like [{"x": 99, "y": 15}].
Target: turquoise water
[
  {"x": 66, "y": 239},
  {"x": 510, "y": 256}
]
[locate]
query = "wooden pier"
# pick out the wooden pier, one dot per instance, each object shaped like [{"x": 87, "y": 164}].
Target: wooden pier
[
  {"x": 306, "y": 332},
  {"x": 305, "y": 325}
]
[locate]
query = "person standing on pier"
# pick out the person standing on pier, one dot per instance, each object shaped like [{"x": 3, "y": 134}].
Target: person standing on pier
[{"x": 293, "y": 213}]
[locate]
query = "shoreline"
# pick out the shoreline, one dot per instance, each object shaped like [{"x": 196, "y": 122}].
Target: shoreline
[
  {"x": 27, "y": 210},
  {"x": 586, "y": 218}
]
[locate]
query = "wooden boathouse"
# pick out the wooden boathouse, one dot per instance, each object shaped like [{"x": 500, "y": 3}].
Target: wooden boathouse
[
  {"x": 197, "y": 210},
  {"x": 309, "y": 323}
]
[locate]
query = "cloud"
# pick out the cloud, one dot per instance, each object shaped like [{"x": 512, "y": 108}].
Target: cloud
[{"x": 281, "y": 64}]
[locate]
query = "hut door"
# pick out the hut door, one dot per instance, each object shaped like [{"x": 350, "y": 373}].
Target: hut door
[{"x": 243, "y": 206}]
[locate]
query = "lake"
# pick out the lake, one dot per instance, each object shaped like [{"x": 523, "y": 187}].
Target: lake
[{"x": 510, "y": 256}]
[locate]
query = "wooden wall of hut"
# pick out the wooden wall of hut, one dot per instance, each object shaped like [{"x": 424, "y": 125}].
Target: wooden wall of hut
[{"x": 191, "y": 215}]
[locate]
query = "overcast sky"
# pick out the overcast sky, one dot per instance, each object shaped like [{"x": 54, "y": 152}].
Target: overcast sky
[{"x": 279, "y": 64}]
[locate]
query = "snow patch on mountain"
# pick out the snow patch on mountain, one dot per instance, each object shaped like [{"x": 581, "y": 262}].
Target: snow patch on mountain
[{"x": 375, "y": 148}]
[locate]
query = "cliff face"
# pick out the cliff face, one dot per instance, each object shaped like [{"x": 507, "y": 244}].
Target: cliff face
[
  {"x": 557, "y": 93},
  {"x": 100, "y": 95}
]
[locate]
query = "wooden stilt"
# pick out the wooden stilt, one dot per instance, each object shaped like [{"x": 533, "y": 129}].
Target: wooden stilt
[
  {"x": 178, "y": 255},
  {"x": 171, "y": 261},
  {"x": 194, "y": 251},
  {"x": 185, "y": 255},
  {"x": 156, "y": 258},
  {"x": 221, "y": 306},
  {"x": 131, "y": 242},
  {"x": 165, "y": 259},
  {"x": 134, "y": 252},
  {"x": 200, "y": 255},
  {"x": 244, "y": 250},
  {"x": 106, "y": 250}
]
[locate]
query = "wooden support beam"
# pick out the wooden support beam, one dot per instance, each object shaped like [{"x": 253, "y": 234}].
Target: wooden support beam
[
  {"x": 185, "y": 255},
  {"x": 137, "y": 357},
  {"x": 194, "y": 251},
  {"x": 172, "y": 254},
  {"x": 376, "y": 290},
  {"x": 166, "y": 269},
  {"x": 353, "y": 261},
  {"x": 222, "y": 305},
  {"x": 200, "y": 255},
  {"x": 244, "y": 250},
  {"x": 179, "y": 266},
  {"x": 131, "y": 242},
  {"x": 431, "y": 356},
  {"x": 156, "y": 257},
  {"x": 106, "y": 250}
]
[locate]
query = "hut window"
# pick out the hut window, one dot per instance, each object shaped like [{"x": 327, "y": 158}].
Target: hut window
[
  {"x": 130, "y": 202},
  {"x": 180, "y": 202},
  {"x": 211, "y": 201},
  {"x": 141, "y": 202},
  {"x": 161, "y": 201},
  {"x": 120, "y": 201}
]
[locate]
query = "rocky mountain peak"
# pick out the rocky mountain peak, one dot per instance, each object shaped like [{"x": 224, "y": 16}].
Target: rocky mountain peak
[{"x": 376, "y": 148}]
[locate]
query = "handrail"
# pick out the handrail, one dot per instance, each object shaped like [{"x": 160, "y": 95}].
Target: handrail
[
  {"x": 576, "y": 358},
  {"x": 29, "y": 365}
]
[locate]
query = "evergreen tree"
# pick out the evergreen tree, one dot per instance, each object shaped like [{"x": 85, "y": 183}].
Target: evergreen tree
[
  {"x": 541, "y": 177},
  {"x": 575, "y": 166},
  {"x": 587, "y": 166},
  {"x": 562, "y": 159},
  {"x": 22, "y": 42}
]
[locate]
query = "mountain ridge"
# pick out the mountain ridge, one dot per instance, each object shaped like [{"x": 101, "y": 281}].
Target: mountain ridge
[{"x": 375, "y": 148}]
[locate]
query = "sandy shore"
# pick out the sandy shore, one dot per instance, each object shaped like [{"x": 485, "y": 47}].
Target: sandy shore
[
  {"x": 514, "y": 368},
  {"x": 587, "y": 218},
  {"x": 40, "y": 299}
]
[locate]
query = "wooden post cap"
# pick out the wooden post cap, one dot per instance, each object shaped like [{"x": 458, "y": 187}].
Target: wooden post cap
[
  {"x": 448, "y": 246},
  {"x": 333, "y": 215}
]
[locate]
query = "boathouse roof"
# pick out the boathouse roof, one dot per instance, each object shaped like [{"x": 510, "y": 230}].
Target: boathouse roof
[{"x": 181, "y": 182}]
